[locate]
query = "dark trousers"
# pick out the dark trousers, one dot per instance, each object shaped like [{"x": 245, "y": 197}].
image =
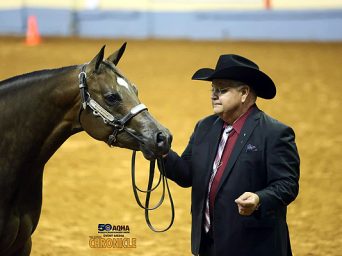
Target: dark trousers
[{"x": 207, "y": 244}]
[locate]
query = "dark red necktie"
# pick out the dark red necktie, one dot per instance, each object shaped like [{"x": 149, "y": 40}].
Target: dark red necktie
[{"x": 214, "y": 179}]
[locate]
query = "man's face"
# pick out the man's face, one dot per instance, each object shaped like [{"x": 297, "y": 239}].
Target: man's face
[{"x": 227, "y": 98}]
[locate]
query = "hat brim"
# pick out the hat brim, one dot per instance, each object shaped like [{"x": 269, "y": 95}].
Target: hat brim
[{"x": 261, "y": 83}]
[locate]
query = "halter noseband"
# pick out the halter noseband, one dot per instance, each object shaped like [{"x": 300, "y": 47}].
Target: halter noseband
[{"x": 118, "y": 124}]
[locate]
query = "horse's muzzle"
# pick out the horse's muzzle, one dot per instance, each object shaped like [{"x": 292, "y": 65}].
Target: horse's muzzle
[
  {"x": 159, "y": 146},
  {"x": 163, "y": 141}
]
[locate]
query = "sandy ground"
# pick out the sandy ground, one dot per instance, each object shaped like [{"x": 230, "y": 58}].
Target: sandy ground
[{"x": 86, "y": 183}]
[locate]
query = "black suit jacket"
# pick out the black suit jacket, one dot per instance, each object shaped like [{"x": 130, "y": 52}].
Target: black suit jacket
[{"x": 264, "y": 161}]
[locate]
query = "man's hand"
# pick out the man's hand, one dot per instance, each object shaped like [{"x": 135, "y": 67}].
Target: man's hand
[{"x": 247, "y": 203}]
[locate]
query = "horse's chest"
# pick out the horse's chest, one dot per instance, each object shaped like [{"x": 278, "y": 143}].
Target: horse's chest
[
  {"x": 19, "y": 219},
  {"x": 15, "y": 233}
]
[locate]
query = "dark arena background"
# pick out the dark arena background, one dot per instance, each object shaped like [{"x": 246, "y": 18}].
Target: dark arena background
[{"x": 87, "y": 184}]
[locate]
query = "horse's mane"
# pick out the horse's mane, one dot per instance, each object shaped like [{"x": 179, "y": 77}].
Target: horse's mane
[{"x": 40, "y": 74}]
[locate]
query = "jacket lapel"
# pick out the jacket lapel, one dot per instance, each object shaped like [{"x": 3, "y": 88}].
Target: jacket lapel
[
  {"x": 214, "y": 139},
  {"x": 244, "y": 135}
]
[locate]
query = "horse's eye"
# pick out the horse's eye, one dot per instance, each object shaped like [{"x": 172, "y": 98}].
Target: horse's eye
[{"x": 112, "y": 98}]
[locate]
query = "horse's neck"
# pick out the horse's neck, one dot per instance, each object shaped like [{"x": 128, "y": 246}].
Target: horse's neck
[{"x": 39, "y": 114}]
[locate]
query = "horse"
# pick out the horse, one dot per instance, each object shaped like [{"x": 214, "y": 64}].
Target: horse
[{"x": 41, "y": 110}]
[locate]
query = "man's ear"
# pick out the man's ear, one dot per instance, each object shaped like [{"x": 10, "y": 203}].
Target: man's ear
[
  {"x": 245, "y": 90},
  {"x": 116, "y": 56},
  {"x": 94, "y": 64}
]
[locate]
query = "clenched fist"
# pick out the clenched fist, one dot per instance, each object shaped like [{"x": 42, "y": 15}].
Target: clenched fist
[{"x": 247, "y": 203}]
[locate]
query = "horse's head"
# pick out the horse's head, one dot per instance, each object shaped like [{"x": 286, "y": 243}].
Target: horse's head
[{"x": 112, "y": 111}]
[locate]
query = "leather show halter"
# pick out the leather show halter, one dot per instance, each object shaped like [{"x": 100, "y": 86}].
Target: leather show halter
[{"x": 119, "y": 125}]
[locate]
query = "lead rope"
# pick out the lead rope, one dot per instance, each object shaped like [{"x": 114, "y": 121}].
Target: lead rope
[{"x": 146, "y": 207}]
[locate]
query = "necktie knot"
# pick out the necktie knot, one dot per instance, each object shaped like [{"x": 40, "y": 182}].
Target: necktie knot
[{"x": 228, "y": 129}]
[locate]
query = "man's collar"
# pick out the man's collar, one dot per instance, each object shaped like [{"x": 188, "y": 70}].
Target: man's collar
[{"x": 238, "y": 124}]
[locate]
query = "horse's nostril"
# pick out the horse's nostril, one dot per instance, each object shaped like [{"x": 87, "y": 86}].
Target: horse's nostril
[
  {"x": 163, "y": 141},
  {"x": 161, "y": 137}
]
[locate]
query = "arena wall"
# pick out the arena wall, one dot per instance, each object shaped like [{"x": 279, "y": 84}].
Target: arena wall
[{"x": 185, "y": 19}]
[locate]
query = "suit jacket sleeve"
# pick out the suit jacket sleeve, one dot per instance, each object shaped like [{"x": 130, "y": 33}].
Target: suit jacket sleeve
[
  {"x": 178, "y": 168},
  {"x": 282, "y": 163}
]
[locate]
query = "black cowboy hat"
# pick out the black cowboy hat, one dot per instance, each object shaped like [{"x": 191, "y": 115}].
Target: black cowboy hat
[{"x": 235, "y": 67}]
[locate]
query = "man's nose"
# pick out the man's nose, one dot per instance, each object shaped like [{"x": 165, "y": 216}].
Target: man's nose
[{"x": 214, "y": 96}]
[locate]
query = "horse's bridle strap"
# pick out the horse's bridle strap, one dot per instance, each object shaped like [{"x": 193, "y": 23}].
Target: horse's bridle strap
[
  {"x": 106, "y": 116},
  {"x": 133, "y": 112}
]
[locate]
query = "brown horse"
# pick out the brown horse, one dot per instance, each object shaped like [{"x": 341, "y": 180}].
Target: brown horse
[{"x": 40, "y": 110}]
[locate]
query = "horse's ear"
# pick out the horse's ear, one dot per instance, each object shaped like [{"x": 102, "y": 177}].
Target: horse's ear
[
  {"x": 96, "y": 61},
  {"x": 116, "y": 56}
]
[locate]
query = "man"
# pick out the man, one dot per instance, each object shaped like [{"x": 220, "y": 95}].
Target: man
[{"x": 242, "y": 165}]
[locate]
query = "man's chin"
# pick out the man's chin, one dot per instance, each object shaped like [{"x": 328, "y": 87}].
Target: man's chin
[{"x": 217, "y": 111}]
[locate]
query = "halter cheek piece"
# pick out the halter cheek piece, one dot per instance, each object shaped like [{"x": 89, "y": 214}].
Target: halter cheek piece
[{"x": 117, "y": 124}]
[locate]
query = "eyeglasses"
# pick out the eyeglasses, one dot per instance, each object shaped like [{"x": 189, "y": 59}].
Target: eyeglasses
[{"x": 219, "y": 91}]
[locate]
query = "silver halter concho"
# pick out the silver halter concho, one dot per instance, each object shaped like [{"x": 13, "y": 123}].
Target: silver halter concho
[{"x": 98, "y": 110}]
